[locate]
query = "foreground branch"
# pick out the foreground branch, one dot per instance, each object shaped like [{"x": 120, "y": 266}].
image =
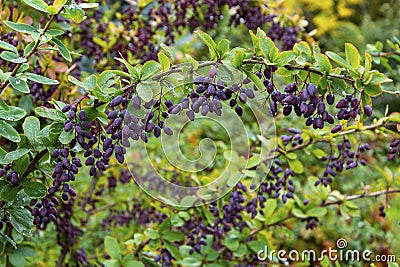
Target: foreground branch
[{"x": 329, "y": 203}]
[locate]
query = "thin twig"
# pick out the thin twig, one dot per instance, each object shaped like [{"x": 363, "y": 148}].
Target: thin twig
[
  {"x": 32, "y": 164},
  {"x": 61, "y": 258},
  {"x": 90, "y": 190}
]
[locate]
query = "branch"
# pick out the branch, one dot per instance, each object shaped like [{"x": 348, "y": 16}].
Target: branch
[
  {"x": 329, "y": 203},
  {"x": 34, "y": 49},
  {"x": 61, "y": 258},
  {"x": 391, "y": 92},
  {"x": 32, "y": 165},
  {"x": 140, "y": 247},
  {"x": 305, "y": 68},
  {"x": 364, "y": 195},
  {"x": 91, "y": 189}
]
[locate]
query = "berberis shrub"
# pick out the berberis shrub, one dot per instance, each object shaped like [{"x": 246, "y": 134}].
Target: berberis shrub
[{"x": 134, "y": 134}]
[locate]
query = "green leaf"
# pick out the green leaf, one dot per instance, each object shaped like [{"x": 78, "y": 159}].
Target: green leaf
[
  {"x": 317, "y": 212},
  {"x": 254, "y": 78},
  {"x": 16, "y": 154},
  {"x": 323, "y": 63},
  {"x": 296, "y": 166},
  {"x": 103, "y": 78},
  {"x": 144, "y": 91},
  {"x": 285, "y": 57},
  {"x": 63, "y": 50},
  {"x": 31, "y": 127},
  {"x": 238, "y": 58},
  {"x": 19, "y": 84},
  {"x": 131, "y": 69},
  {"x": 58, "y": 4},
  {"x": 112, "y": 247},
  {"x": 319, "y": 153},
  {"x": 29, "y": 48},
  {"x": 66, "y": 137},
  {"x": 208, "y": 41},
  {"x": 37, "y": 4},
  {"x": 7, "y": 131},
  {"x": 9, "y": 47},
  {"x": 352, "y": 55},
  {"x": 12, "y": 57},
  {"x": 367, "y": 62},
  {"x": 164, "y": 61},
  {"x": 20, "y": 27},
  {"x": 223, "y": 47},
  {"x": 54, "y": 32},
  {"x": 267, "y": 47},
  {"x": 165, "y": 225},
  {"x": 52, "y": 114},
  {"x": 12, "y": 242},
  {"x": 9, "y": 192},
  {"x": 173, "y": 236},
  {"x": 21, "y": 219},
  {"x": 11, "y": 113},
  {"x": 40, "y": 79},
  {"x": 75, "y": 81},
  {"x": 340, "y": 61},
  {"x": 303, "y": 49},
  {"x": 75, "y": 13},
  {"x": 373, "y": 89},
  {"x": 168, "y": 51},
  {"x": 149, "y": 68},
  {"x": 35, "y": 189},
  {"x": 378, "y": 77},
  {"x": 299, "y": 213}
]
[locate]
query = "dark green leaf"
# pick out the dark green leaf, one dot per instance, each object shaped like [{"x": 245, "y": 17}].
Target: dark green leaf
[
  {"x": 223, "y": 47},
  {"x": 19, "y": 85},
  {"x": 52, "y": 114},
  {"x": 340, "y": 61},
  {"x": 7, "y": 46},
  {"x": 173, "y": 236},
  {"x": 40, "y": 79},
  {"x": 7, "y": 131},
  {"x": 35, "y": 189},
  {"x": 9, "y": 192},
  {"x": 12, "y": 57},
  {"x": 16, "y": 154},
  {"x": 144, "y": 91},
  {"x": 12, "y": 113},
  {"x": 149, "y": 68},
  {"x": 29, "y": 48},
  {"x": 75, "y": 13},
  {"x": 37, "y": 4},
  {"x": 21, "y": 219},
  {"x": 112, "y": 247},
  {"x": 31, "y": 128},
  {"x": 12, "y": 242},
  {"x": 20, "y": 27},
  {"x": 323, "y": 63},
  {"x": 63, "y": 50}
]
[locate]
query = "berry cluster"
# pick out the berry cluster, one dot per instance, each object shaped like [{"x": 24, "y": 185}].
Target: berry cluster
[
  {"x": 394, "y": 149},
  {"x": 67, "y": 232},
  {"x": 382, "y": 212},
  {"x": 10, "y": 175},
  {"x": 346, "y": 159},
  {"x": 311, "y": 222},
  {"x": 304, "y": 102},
  {"x": 64, "y": 172}
]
